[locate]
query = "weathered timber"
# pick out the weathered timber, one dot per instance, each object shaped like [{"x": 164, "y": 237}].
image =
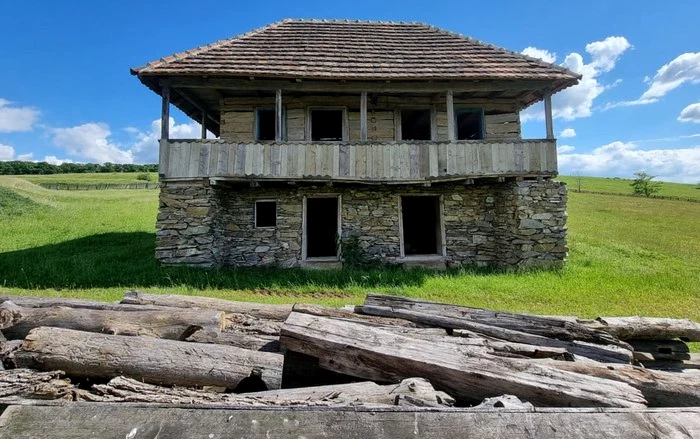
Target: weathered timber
[
  {"x": 562, "y": 329},
  {"x": 693, "y": 363},
  {"x": 105, "y": 420},
  {"x": 258, "y": 310},
  {"x": 178, "y": 324},
  {"x": 504, "y": 401},
  {"x": 602, "y": 353},
  {"x": 27, "y": 383},
  {"x": 374, "y": 354},
  {"x": 254, "y": 342},
  {"x": 646, "y": 328},
  {"x": 158, "y": 361},
  {"x": 340, "y": 313},
  {"x": 647, "y": 350},
  {"x": 244, "y": 323},
  {"x": 50, "y": 302}
]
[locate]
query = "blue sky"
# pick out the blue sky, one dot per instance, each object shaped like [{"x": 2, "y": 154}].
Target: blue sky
[{"x": 66, "y": 92}]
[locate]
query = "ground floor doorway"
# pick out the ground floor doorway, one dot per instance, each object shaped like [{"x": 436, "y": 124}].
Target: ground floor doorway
[
  {"x": 421, "y": 225},
  {"x": 322, "y": 226}
]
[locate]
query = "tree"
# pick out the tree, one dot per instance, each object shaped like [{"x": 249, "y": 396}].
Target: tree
[{"x": 642, "y": 185}]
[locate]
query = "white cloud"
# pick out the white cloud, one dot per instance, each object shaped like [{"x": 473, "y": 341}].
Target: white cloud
[
  {"x": 577, "y": 101},
  {"x": 563, "y": 149},
  {"x": 145, "y": 146},
  {"x": 26, "y": 157},
  {"x": 542, "y": 54},
  {"x": 7, "y": 152},
  {"x": 691, "y": 113},
  {"x": 568, "y": 132},
  {"x": 14, "y": 119},
  {"x": 53, "y": 160},
  {"x": 91, "y": 141},
  {"x": 623, "y": 159}
]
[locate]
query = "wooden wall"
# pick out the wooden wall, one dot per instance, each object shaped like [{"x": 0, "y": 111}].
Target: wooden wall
[{"x": 501, "y": 120}]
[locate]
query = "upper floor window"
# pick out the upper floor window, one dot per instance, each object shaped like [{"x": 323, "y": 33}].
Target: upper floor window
[
  {"x": 265, "y": 124},
  {"x": 469, "y": 123},
  {"x": 327, "y": 124},
  {"x": 416, "y": 124}
]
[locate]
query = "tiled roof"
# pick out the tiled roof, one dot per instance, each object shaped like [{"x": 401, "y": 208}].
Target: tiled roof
[{"x": 356, "y": 50}]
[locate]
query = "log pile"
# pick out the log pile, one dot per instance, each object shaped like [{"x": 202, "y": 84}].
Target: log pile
[{"x": 388, "y": 352}]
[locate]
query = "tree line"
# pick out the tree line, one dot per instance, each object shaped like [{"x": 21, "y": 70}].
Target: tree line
[{"x": 18, "y": 167}]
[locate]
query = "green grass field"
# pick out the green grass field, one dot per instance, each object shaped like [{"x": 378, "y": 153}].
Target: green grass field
[
  {"x": 628, "y": 256},
  {"x": 114, "y": 177},
  {"x": 622, "y": 186}
]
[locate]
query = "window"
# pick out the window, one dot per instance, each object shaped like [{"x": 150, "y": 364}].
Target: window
[
  {"x": 469, "y": 124},
  {"x": 265, "y": 124},
  {"x": 265, "y": 213},
  {"x": 421, "y": 223},
  {"x": 416, "y": 125},
  {"x": 327, "y": 124}
]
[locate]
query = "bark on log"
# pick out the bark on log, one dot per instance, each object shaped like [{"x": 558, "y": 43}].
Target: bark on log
[
  {"x": 606, "y": 354},
  {"x": 86, "y": 354},
  {"x": 375, "y": 354},
  {"x": 649, "y": 350},
  {"x": 258, "y": 310},
  {"x": 50, "y": 302},
  {"x": 562, "y": 329},
  {"x": 254, "y": 342},
  {"x": 27, "y": 383},
  {"x": 647, "y": 328},
  {"x": 16, "y": 322}
]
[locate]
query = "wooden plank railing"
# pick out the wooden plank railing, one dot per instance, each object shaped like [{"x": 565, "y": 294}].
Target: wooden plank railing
[{"x": 361, "y": 161}]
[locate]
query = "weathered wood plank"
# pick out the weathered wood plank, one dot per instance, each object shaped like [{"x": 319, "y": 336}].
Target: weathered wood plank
[{"x": 646, "y": 328}]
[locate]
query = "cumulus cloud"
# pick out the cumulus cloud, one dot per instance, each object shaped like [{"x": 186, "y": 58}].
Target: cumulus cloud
[
  {"x": 15, "y": 119},
  {"x": 563, "y": 149},
  {"x": 145, "y": 144},
  {"x": 91, "y": 141},
  {"x": 568, "y": 132},
  {"x": 691, "y": 113},
  {"x": 623, "y": 159},
  {"x": 7, "y": 152},
  {"x": 577, "y": 101},
  {"x": 542, "y": 54},
  {"x": 53, "y": 160},
  {"x": 26, "y": 157}
]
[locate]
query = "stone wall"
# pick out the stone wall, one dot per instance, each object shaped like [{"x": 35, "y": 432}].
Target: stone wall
[{"x": 512, "y": 224}]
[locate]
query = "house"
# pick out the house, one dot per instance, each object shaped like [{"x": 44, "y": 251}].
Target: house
[{"x": 402, "y": 135}]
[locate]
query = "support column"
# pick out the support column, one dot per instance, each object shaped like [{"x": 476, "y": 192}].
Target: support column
[
  {"x": 363, "y": 116},
  {"x": 204, "y": 124},
  {"x": 451, "y": 132},
  {"x": 548, "y": 113},
  {"x": 278, "y": 116},
  {"x": 165, "y": 114}
]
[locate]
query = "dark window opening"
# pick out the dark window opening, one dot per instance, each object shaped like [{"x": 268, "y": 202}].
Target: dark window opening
[
  {"x": 265, "y": 214},
  {"x": 266, "y": 124},
  {"x": 469, "y": 125},
  {"x": 421, "y": 225},
  {"x": 321, "y": 227},
  {"x": 326, "y": 125},
  {"x": 415, "y": 125}
]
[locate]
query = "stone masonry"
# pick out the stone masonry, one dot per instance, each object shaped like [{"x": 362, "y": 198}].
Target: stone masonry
[{"x": 514, "y": 224}]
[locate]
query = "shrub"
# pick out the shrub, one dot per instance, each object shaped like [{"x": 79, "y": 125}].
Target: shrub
[
  {"x": 144, "y": 176},
  {"x": 642, "y": 185}
]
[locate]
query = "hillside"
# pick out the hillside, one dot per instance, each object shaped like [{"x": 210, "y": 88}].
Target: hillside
[{"x": 622, "y": 186}]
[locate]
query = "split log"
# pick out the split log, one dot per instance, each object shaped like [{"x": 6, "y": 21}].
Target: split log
[
  {"x": 16, "y": 322},
  {"x": 651, "y": 350},
  {"x": 561, "y": 329},
  {"x": 340, "y": 313},
  {"x": 158, "y": 361},
  {"x": 605, "y": 354},
  {"x": 50, "y": 302},
  {"x": 259, "y": 310},
  {"x": 27, "y": 383},
  {"x": 254, "y": 342},
  {"x": 646, "y": 328},
  {"x": 374, "y": 354}
]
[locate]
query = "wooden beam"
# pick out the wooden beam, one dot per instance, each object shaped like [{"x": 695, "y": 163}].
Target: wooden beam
[
  {"x": 363, "y": 116},
  {"x": 451, "y": 132},
  {"x": 165, "y": 114},
  {"x": 278, "y": 115},
  {"x": 194, "y": 103},
  {"x": 204, "y": 124},
  {"x": 548, "y": 113}
]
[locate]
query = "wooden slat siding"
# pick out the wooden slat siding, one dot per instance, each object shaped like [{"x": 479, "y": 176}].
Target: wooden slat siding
[
  {"x": 204, "y": 153},
  {"x": 214, "y": 154},
  {"x": 460, "y": 159},
  {"x": 163, "y": 156},
  {"x": 519, "y": 157},
  {"x": 222, "y": 167},
  {"x": 193, "y": 168},
  {"x": 240, "y": 154},
  {"x": 442, "y": 159},
  {"x": 414, "y": 162}
]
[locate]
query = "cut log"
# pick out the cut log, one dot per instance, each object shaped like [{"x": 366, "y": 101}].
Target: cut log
[
  {"x": 562, "y": 329},
  {"x": 50, "y": 302},
  {"x": 692, "y": 364},
  {"x": 605, "y": 354},
  {"x": 340, "y": 313},
  {"x": 158, "y": 361},
  {"x": 236, "y": 322},
  {"x": 254, "y": 342},
  {"x": 647, "y": 328},
  {"x": 510, "y": 402},
  {"x": 16, "y": 322},
  {"x": 375, "y": 354},
  {"x": 258, "y": 310},
  {"x": 27, "y": 383},
  {"x": 651, "y": 350}
]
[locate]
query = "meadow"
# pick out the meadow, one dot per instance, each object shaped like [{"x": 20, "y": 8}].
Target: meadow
[
  {"x": 629, "y": 256},
  {"x": 622, "y": 186}
]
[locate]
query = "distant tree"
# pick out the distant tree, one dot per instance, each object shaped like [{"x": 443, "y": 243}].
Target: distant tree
[
  {"x": 642, "y": 185},
  {"x": 578, "y": 180}
]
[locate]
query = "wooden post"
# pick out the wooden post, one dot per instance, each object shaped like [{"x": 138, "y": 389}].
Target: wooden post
[
  {"x": 451, "y": 132},
  {"x": 278, "y": 115},
  {"x": 548, "y": 113},
  {"x": 204, "y": 124},
  {"x": 165, "y": 114},
  {"x": 363, "y": 116}
]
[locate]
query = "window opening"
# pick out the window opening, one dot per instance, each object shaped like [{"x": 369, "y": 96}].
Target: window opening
[
  {"x": 415, "y": 125},
  {"x": 265, "y": 124},
  {"x": 469, "y": 124},
  {"x": 327, "y": 125},
  {"x": 265, "y": 213}
]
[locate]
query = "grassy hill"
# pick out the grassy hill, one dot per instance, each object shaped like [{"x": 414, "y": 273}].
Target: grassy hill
[
  {"x": 622, "y": 186},
  {"x": 628, "y": 256},
  {"x": 114, "y": 177}
]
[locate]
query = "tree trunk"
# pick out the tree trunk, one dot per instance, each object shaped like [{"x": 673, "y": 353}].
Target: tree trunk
[
  {"x": 90, "y": 355},
  {"x": 16, "y": 322},
  {"x": 258, "y": 310},
  {"x": 374, "y": 354},
  {"x": 254, "y": 342},
  {"x": 646, "y": 328},
  {"x": 27, "y": 383},
  {"x": 50, "y": 302}
]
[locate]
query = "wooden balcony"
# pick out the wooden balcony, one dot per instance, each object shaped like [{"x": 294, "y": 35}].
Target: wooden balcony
[{"x": 361, "y": 162}]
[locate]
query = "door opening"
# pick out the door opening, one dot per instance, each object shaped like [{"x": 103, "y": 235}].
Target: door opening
[
  {"x": 322, "y": 227},
  {"x": 422, "y": 233}
]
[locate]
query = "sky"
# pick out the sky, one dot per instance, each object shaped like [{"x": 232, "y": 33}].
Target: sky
[{"x": 66, "y": 93}]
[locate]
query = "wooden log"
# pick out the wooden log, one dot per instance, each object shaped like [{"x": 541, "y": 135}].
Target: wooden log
[
  {"x": 649, "y": 350},
  {"x": 693, "y": 363},
  {"x": 244, "y": 323},
  {"x": 119, "y": 421},
  {"x": 562, "y": 329},
  {"x": 91, "y": 355},
  {"x": 606, "y": 354},
  {"x": 50, "y": 302},
  {"x": 16, "y": 322},
  {"x": 254, "y": 342},
  {"x": 27, "y": 383},
  {"x": 646, "y": 328},
  {"x": 341, "y": 313},
  {"x": 374, "y": 354},
  {"x": 258, "y": 310}
]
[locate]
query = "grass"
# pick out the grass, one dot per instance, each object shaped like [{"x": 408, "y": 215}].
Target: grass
[
  {"x": 113, "y": 177},
  {"x": 628, "y": 256},
  {"x": 622, "y": 186}
]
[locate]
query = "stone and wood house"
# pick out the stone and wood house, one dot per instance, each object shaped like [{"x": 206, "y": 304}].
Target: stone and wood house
[{"x": 402, "y": 135}]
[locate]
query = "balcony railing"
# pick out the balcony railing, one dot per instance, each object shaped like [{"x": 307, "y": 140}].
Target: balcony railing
[{"x": 410, "y": 162}]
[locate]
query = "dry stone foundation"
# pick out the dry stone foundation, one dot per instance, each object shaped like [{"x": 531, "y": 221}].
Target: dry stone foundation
[{"x": 510, "y": 224}]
